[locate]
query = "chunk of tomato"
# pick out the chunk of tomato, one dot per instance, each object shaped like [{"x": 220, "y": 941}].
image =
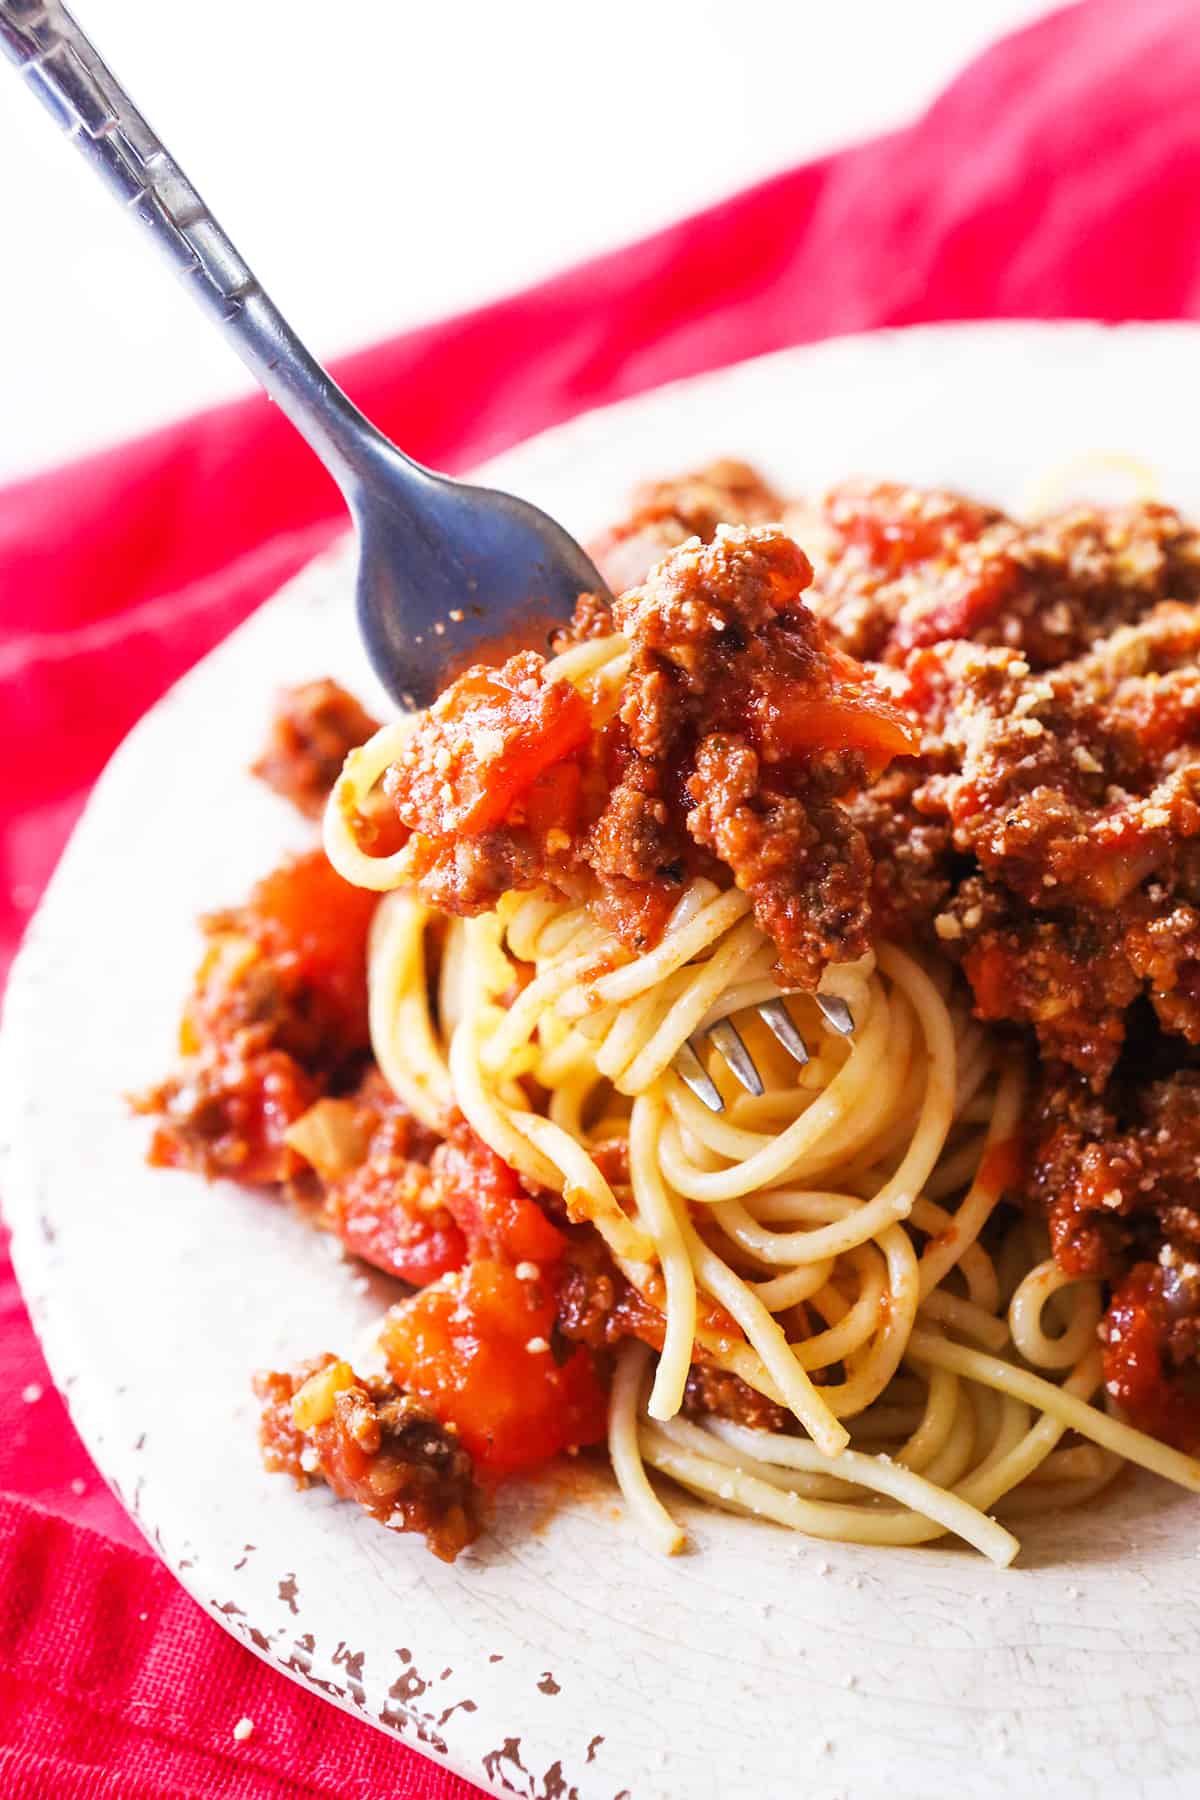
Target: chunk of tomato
[
  {"x": 391, "y": 1217},
  {"x": 485, "y": 1196},
  {"x": 314, "y": 924},
  {"x": 483, "y": 745},
  {"x": 476, "y": 1348},
  {"x": 553, "y": 800},
  {"x": 853, "y": 715}
]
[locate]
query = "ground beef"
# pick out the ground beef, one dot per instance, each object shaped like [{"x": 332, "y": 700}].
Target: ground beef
[
  {"x": 733, "y": 696},
  {"x": 804, "y": 862},
  {"x": 471, "y": 872},
  {"x": 1117, "y": 1177},
  {"x": 665, "y": 514},
  {"x": 636, "y": 836},
  {"x": 1064, "y": 789},
  {"x": 900, "y": 567},
  {"x": 1073, "y": 796},
  {"x": 596, "y": 1305},
  {"x": 276, "y": 1018},
  {"x": 591, "y": 619},
  {"x": 1162, "y": 946},
  {"x": 912, "y": 859},
  {"x": 1062, "y": 973},
  {"x": 1118, "y": 1173},
  {"x": 372, "y": 1444},
  {"x": 739, "y": 735},
  {"x": 313, "y": 729},
  {"x": 715, "y": 1392}
]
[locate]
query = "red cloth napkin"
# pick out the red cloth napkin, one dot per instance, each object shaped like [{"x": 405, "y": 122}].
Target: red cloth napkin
[{"x": 1059, "y": 176}]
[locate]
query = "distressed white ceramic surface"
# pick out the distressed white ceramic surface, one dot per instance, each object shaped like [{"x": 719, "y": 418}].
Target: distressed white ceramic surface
[{"x": 559, "y": 1658}]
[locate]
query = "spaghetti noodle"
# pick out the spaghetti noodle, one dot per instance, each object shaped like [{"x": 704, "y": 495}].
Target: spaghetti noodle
[
  {"x": 948, "y": 792},
  {"x": 792, "y": 1240}
]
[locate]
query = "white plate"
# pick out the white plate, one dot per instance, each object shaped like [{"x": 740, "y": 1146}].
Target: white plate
[{"x": 559, "y": 1658}]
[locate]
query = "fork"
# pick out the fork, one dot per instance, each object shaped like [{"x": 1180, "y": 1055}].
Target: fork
[
  {"x": 447, "y": 571},
  {"x": 728, "y": 1041}
]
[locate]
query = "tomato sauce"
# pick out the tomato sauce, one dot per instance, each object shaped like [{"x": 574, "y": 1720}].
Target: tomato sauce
[
  {"x": 1136, "y": 1362},
  {"x": 313, "y": 926},
  {"x": 483, "y": 745},
  {"x": 394, "y": 1220},
  {"x": 485, "y": 1196}
]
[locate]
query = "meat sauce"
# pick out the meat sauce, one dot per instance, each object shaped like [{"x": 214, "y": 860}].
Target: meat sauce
[
  {"x": 381, "y": 1198},
  {"x": 974, "y": 732},
  {"x": 278, "y": 1013},
  {"x": 477, "y": 1345},
  {"x": 372, "y": 1444},
  {"x": 1150, "y": 1342},
  {"x": 741, "y": 731},
  {"x": 314, "y": 728}
]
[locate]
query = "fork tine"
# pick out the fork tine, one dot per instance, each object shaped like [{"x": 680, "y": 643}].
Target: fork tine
[
  {"x": 728, "y": 1040},
  {"x": 691, "y": 1071},
  {"x": 837, "y": 1014},
  {"x": 776, "y": 1017}
]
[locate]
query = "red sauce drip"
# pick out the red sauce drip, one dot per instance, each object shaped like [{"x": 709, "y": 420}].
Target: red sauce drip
[{"x": 1003, "y": 1164}]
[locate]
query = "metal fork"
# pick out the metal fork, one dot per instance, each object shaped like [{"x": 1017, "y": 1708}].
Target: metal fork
[
  {"x": 446, "y": 571},
  {"x": 725, "y": 1037}
]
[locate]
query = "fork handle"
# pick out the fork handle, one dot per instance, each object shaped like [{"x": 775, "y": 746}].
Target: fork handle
[{"x": 81, "y": 94}]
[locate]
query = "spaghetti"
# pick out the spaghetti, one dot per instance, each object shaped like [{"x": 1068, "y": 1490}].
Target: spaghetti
[
  {"x": 947, "y": 790},
  {"x": 799, "y": 1240}
]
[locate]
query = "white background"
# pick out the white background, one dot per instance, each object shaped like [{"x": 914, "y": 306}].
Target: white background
[{"x": 382, "y": 162}]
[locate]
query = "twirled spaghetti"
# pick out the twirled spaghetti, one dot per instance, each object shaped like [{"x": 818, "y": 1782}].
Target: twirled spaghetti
[
  {"x": 821, "y": 1241},
  {"x": 917, "y": 1260}
]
